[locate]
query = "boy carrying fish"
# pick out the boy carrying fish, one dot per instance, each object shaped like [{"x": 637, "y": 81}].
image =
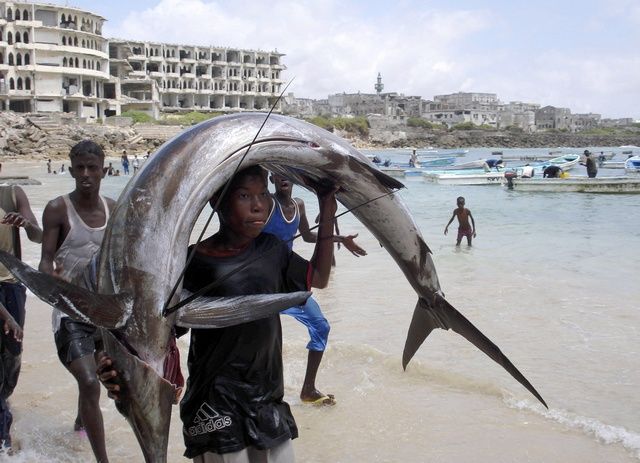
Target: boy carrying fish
[{"x": 233, "y": 408}]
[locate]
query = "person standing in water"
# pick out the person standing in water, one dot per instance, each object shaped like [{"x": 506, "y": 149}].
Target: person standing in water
[
  {"x": 287, "y": 217},
  {"x": 74, "y": 225},
  {"x": 464, "y": 228},
  {"x": 16, "y": 213}
]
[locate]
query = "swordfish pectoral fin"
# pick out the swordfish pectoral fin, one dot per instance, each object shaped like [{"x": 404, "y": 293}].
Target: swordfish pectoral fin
[
  {"x": 107, "y": 311},
  {"x": 219, "y": 312},
  {"x": 443, "y": 315},
  {"x": 145, "y": 399}
]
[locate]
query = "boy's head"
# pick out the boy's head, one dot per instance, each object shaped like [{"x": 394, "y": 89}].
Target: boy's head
[
  {"x": 87, "y": 165},
  {"x": 245, "y": 207},
  {"x": 460, "y": 201},
  {"x": 282, "y": 184}
]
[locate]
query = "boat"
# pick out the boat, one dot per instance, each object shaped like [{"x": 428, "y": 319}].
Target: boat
[
  {"x": 632, "y": 165},
  {"x": 577, "y": 184},
  {"x": 612, "y": 165},
  {"x": 437, "y": 162},
  {"x": 478, "y": 178},
  {"x": 485, "y": 164},
  {"x": 18, "y": 180},
  {"x": 565, "y": 162}
]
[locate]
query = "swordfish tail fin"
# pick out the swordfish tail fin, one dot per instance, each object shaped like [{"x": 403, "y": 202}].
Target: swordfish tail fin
[
  {"x": 443, "y": 315},
  {"x": 145, "y": 399},
  {"x": 108, "y": 311}
]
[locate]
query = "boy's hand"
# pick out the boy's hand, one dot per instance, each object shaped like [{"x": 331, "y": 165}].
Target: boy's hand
[
  {"x": 352, "y": 247},
  {"x": 108, "y": 376},
  {"x": 14, "y": 219},
  {"x": 474, "y": 233},
  {"x": 11, "y": 326},
  {"x": 446, "y": 229}
]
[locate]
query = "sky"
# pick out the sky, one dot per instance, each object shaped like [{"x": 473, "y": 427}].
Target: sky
[{"x": 579, "y": 55}]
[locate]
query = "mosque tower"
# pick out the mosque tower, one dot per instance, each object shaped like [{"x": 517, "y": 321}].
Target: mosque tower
[{"x": 379, "y": 85}]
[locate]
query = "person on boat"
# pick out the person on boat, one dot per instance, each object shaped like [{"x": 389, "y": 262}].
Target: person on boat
[
  {"x": 552, "y": 171},
  {"x": 287, "y": 217},
  {"x": 601, "y": 158},
  {"x": 527, "y": 171},
  {"x": 464, "y": 227},
  {"x": 414, "y": 162},
  {"x": 590, "y": 164}
]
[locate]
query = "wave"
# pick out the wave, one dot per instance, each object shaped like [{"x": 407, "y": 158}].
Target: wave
[{"x": 605, "y": 433}]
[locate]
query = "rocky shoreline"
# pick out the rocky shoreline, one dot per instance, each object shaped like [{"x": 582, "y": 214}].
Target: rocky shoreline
[{"x": 29, "y": 136}]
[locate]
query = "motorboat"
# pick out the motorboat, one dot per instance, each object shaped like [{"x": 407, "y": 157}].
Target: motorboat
[
  {"x": 565, "y": 162},
  {"x": 576, "y": 184},
  {"x": 632, "y": 165}
]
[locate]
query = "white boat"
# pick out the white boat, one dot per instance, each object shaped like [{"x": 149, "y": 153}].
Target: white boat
[
  {"x": 486, "y": 164},
  {"x": 565, "y": 162},
  {"x": 632, "y": 165},
  {"x": 578, "y": 184},
  {"x": 437, "y": 162},
  {"x": 480, "y": 178},
  {"x": 612, "y": 165}
]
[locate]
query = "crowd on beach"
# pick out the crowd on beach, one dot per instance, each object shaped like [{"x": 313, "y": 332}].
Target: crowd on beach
[{"x": 238, "y": 370}]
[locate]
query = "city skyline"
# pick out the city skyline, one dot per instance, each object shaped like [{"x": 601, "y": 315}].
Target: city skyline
[{"x": 546, "y": 53}]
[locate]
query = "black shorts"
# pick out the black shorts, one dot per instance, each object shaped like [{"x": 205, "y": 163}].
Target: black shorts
[{"x": 76, "y": 339}]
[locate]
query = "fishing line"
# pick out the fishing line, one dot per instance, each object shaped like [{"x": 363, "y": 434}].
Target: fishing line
[
  {"x": 219, "y": 200},
  {"x": 214, "y": 284}
]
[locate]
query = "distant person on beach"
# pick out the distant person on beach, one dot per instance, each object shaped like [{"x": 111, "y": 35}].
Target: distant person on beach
[
  {"x": 236, "y": 373},
  {"x": 49, "y": 166},
  {"x": 136, "y": 164},
  {"x": 590, "y": 164},
  {"x": 413, "y": 161},
  {"x": 464, "y": 227},
  {"x": 601, "y": 159},
  {"x": 74, "y": 225},
  {"x": 110, "y": 170},
  {"x": 62, "y": 169},
  {"x": 288, "y": 215},
  {"x": 16, "y": 213},
  {"x": 552, "y": 171},
  {"x": 125, "y": 162}
]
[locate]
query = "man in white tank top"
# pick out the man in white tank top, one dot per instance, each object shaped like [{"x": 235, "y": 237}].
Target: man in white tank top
[{"x": 73, "y": 226}]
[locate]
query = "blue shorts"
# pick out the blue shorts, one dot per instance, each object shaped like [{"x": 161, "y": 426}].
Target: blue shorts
[{"x": 311, "y": 316}]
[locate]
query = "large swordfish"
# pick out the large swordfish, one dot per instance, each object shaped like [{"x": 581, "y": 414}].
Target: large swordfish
[{"x": 145, "y": 249}]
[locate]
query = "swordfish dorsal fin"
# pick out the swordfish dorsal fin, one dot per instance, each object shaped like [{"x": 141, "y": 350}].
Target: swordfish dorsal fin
[
  {"x": 218, "y": 312},
  {"x": 441, "y": 314},
  {"x": 107, "y": 311}
]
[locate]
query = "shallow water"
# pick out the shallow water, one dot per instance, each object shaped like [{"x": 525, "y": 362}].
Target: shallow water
[{"x": 550, "y": 279}]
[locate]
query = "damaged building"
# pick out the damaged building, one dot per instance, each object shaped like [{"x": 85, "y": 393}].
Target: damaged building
[{"x": 55, "y": 59}]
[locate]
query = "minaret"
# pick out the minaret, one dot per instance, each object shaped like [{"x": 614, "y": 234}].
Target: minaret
[{"x": 379, "y": 85}]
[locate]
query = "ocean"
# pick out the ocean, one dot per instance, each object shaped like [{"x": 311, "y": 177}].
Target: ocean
[{"x": 549, "y": 279}]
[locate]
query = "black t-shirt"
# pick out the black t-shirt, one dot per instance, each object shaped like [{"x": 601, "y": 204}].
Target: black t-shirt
[{"x": 235, "y": 389}]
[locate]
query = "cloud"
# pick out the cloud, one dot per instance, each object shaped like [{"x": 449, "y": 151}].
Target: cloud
[{"x": 421, "y": 48}]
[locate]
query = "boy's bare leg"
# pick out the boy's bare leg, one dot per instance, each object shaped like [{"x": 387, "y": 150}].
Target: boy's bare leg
[
  {"x": 83, "y": 370},
  {"x": 309, "y": 392}
]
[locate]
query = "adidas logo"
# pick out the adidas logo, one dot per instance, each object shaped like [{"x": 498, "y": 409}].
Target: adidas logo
[{"x": 208, "y": 420}]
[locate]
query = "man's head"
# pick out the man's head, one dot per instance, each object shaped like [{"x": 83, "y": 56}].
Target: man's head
[
  {"x": 460, "y": 201},
  {"x": 244, "y": 209},
  {"x": 587, "y": 152},
  {"x": 87, "y": 165}
]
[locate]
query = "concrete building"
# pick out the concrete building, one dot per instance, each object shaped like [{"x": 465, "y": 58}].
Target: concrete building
[
  {"x": 177, "y": 78},
  {"x": 518, "y": 114},
  {"x": 466, "y": 100},
  {"x": 550, "y": 117},
  {"x": 580, "y": 122},
  {"x": 622, "y": 122},
  {"x": 52, "y": 59}
]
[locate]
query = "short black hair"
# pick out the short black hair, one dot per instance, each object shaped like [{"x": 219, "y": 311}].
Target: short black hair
[
  {"x": 460, "y": 198},
  {"x": 86, "y": 147},
  {"x": 251, "y": 171}
]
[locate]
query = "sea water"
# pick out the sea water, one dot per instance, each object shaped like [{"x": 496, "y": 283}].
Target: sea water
[{"x": 551, "y": 278}]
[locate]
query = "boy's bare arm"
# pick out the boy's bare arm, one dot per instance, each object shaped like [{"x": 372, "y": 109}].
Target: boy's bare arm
[
  {"x": 24, "y": 217},
  {"x": 10, "y": 325},
  {"x": 446, "y": 228},
  {"x": 473, "y": 222},
  {"x": 323, "y": 253},
  {"x": 52, "y": 225}
]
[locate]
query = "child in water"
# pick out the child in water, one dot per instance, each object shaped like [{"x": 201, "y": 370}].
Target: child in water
[{"x": 464, "y": 228}]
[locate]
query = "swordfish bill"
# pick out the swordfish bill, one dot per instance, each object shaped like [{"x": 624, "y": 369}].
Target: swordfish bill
[{"x": 144, "y": 250}]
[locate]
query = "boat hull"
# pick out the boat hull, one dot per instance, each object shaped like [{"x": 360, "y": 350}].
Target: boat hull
[{"x": 578, "y": 184}]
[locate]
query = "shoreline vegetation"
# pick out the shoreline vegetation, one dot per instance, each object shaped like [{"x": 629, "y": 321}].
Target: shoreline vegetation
[{"x": 33, "y": 136}]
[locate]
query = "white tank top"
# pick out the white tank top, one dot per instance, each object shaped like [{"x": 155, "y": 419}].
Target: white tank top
[{"x": 79, "y": 246}]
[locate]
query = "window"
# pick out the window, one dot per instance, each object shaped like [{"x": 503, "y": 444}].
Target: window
[
  {"x": 64, "y": 62},
  {"x": 64, "y": 40},
  {"x": 25, "y": 37},
  {"x": 27, "y": 83},
  {"x": 18, "y": 39},
  {"x": 27, "y": 59},
  {"x": 19, "y": 83},
  {"x": 18, "y": 59},
  {"x": 12, "y": 84},
  {"x": 25, "y": 15},
  {"x": 98, "y": 65},
  {"x": 9, "y": 15},
  {"x": 17, "y": 15},
  {"x": 10, "y": 59}
]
